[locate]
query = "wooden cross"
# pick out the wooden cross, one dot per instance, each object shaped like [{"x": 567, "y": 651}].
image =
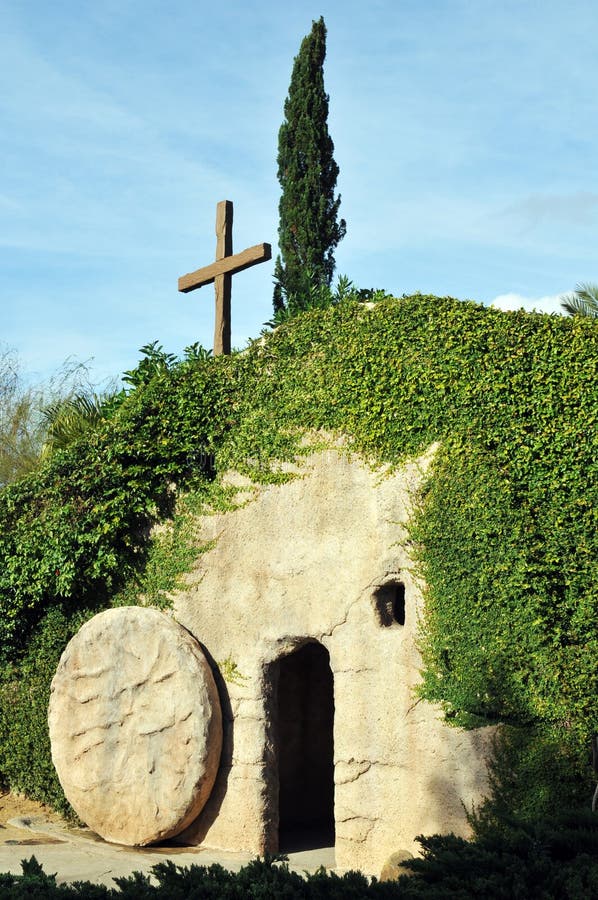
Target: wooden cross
[{"x": 221, "y": 272}]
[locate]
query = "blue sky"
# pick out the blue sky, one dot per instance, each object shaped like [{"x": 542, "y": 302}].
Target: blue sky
[{"x": 466, "y": 135}]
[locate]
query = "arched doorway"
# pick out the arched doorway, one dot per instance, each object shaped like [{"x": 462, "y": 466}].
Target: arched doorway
[{"x": 305, "y": 749}]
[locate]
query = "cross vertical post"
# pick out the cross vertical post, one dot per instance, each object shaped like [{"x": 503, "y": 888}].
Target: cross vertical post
[{"x": 223, "y": 283}]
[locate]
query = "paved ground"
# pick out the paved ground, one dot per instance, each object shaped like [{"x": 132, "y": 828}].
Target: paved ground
[{"x": 77, "y": 854}]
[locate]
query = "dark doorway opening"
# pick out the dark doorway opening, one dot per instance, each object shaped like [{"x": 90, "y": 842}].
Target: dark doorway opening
[{"x": 305, "y": 749}]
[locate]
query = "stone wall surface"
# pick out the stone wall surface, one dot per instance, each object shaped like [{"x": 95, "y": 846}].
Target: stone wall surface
[{"x": 304, "y": 561}]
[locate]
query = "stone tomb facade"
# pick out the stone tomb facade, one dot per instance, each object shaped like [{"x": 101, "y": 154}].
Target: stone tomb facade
[
  {"x": 305, "y": 612},
  {"x": 308, "y": 608}
]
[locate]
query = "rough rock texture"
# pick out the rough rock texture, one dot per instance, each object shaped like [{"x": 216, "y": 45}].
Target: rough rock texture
[
  {"x": 325, "y": 558},
  {"x": 135, "y": 725},
  {"x": 393, "y": 868}
]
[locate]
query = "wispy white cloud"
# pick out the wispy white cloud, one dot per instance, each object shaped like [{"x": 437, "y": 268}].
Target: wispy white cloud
[
  {"x": 577, "y": 208},
  {"x": 512, "y": 302},
  {"x": 9, "y": 203}
]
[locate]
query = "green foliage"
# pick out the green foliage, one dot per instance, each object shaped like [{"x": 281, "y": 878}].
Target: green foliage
[
  {"x": 583, "y": 301},
  {"x": 260, "y": 879},
  {"x": 230, "y": 671},
  {"x": 198, "y": 352},
  {"x": 534, "y": 772},
  {"x": 155, "y": 361},
  {"x": 25, "y": 760},
  {"x": 309, "y": 230},
  {"x": 555, "y": 858},
  {"x": 508, "y": 535},
  {"x": 35, "y": 419},
  {"x": 77, "y": 530},
  {"x": 170, "y": 553},
  {"x": 506, "y": 532},
  {"x": 19, "y": 438},
  {"x": 311, "y": 294},
  {"x": 69, "y": 419}
]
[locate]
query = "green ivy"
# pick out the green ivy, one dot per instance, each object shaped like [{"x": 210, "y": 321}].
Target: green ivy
[{"x": 25, "y": 760}]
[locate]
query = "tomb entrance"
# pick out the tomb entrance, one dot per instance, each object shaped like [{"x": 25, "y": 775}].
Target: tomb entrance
[{"x": 303, "y": 734}]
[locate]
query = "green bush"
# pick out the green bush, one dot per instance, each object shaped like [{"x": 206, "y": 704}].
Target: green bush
[
  {"x": 25, "y": 761},
  {"x": 260, "y": 879},
  {"x": 544, "y": 859},
  {"x": 77, "y": 529},
  {"x": 534, "y": 771}
]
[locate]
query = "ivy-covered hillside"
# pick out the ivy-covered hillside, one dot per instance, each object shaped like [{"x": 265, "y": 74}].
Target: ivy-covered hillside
[{"x": 506, "y": 535}]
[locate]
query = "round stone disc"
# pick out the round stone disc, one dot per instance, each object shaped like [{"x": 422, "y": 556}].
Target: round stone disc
[{"x": 135, "y": 725}]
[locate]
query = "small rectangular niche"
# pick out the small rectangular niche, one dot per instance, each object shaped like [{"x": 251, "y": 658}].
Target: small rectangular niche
[{"x": 389, "y": 601}]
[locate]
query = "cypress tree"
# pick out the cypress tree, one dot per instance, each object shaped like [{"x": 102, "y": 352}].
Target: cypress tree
[{"x": 309, "y": 229}]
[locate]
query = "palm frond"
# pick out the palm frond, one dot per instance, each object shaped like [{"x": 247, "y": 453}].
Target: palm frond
[
  {"x": 583, "y": 301},
  {"x": 69, "y": 419}
]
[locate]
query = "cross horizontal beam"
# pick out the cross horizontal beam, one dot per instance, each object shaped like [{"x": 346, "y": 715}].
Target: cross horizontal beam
[{"x": 227, "y": 266}]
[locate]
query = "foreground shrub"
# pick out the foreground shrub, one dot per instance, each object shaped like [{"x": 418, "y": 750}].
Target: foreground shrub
[
  {"x": 260, "y": 879},
  {"x": 556, "y": 859},
  {"x": 514, "y": 860},
  {"x": 25, "y": 760}
]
